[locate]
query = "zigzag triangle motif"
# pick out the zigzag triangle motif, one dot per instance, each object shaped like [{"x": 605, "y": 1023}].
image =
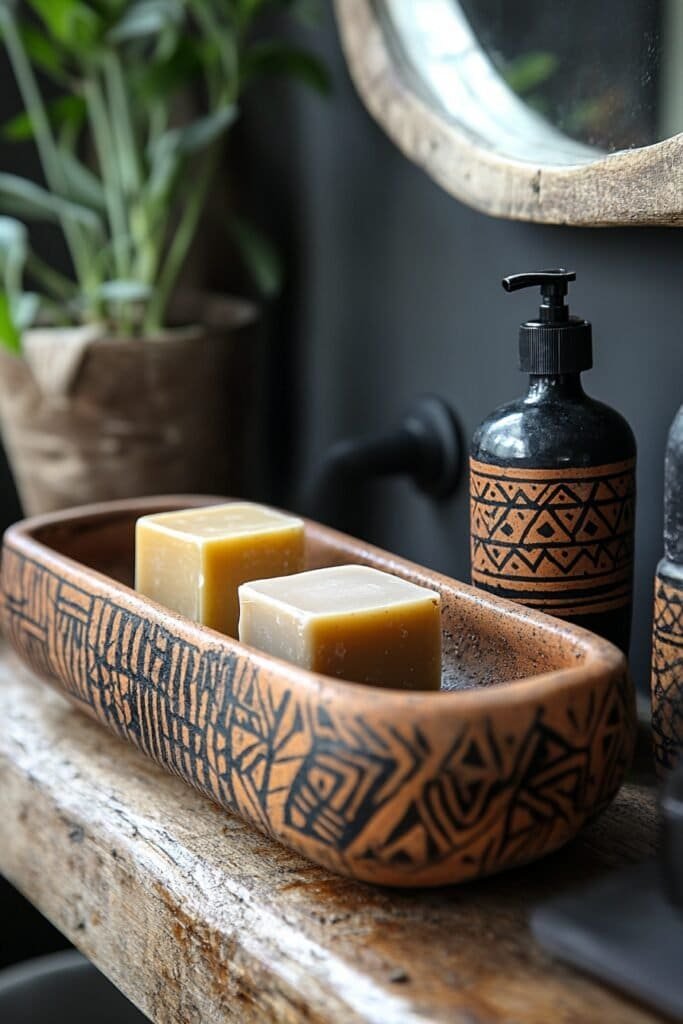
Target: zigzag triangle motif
[
  {"x": 489, "y": 518},
  {"x": 548, "y": 530},
  {"x": 611, "y": 514},
  {"x": 544, "y": 529},
  {"x": 562, "y": 495},
  {"x": 568, "y": 518}
]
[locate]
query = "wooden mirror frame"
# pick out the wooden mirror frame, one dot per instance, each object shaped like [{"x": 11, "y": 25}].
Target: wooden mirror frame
[{"x": 641, "y": 186}]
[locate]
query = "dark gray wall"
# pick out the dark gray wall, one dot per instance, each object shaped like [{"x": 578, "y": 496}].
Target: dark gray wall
[{"x": 396, "y": 291}]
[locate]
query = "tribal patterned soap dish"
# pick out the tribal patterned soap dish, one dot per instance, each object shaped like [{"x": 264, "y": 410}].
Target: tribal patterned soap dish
[{"x": 529, "y": 737}]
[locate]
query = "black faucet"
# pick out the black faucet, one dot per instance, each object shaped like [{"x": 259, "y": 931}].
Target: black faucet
[{"x": 425, "y": 446}]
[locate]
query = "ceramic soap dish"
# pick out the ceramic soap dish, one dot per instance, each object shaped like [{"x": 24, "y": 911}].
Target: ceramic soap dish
[{"x": 529, "y": 737}]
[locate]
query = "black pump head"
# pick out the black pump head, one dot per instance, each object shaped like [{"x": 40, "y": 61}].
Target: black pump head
[
  {"x": 554, "y": 286},
  {"x": 556, "y": 342}
]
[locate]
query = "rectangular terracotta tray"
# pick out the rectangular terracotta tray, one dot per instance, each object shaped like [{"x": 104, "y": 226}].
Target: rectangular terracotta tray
[{"x": 530, "y": 735}]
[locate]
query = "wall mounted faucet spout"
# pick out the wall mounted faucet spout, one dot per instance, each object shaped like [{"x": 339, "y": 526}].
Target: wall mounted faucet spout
[{"x": 425, "y": 446}]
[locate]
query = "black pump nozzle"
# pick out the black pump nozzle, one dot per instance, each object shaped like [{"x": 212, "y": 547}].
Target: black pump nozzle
[
  {"x": 554, "y": 286},
  {"x": 556, "y": 342}
]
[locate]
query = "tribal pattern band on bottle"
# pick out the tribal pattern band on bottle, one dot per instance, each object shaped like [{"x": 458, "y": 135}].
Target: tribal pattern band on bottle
[
  {"x": 560, "y": 540},
  {"x": 667, "y": 674}
]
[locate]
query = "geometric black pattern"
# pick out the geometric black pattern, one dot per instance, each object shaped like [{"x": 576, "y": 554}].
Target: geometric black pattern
[
  {"x": 667, "y": 673},
  {"x": 363, "y": 794},
  {"x": 560, "y": 540}
]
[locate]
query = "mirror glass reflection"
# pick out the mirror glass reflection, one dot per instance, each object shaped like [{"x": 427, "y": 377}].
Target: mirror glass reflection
[{"x": 561, "y": 82}]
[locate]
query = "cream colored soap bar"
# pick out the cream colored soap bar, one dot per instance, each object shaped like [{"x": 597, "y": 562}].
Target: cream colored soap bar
[
  {"x": 349, "y": 621},
  {"x": 194, "y": 560}
]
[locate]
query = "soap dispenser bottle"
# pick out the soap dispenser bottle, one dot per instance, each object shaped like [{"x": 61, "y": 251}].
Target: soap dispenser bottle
[
  {"x": 667, "y": 632},
  {"x": 552, "y": 481}
]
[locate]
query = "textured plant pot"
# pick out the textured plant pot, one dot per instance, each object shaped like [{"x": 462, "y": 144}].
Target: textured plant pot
[{"x": 180, "y": 412}]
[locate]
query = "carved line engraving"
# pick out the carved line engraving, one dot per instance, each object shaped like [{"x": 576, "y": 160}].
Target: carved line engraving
[{"x": 337, "y": 787}]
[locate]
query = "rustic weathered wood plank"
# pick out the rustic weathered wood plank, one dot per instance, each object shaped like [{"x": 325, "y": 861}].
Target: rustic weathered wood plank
[{"x": 198, "y": 917}]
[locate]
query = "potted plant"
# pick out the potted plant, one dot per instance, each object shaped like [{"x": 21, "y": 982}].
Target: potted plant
[{"x": 108, "y": 388}]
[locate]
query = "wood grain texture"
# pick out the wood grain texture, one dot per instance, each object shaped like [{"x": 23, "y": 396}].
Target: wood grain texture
[
  {"x": 198, "y": 917},
  {"x": 637, "y": 186},
  {"x": 396, "y": 787}
]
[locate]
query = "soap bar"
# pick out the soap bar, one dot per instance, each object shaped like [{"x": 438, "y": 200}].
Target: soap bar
[
  {"x": 348, "y": 621},
  {"x": 194, "y": 560}
]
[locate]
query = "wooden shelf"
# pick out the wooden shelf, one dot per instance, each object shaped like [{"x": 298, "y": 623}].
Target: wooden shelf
[{"x": 198, "y": 917}]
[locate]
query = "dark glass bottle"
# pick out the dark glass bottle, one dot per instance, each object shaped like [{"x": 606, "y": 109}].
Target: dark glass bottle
[
  {"x": 552, "y": 481},
  {"x": 667, "y": 632}
]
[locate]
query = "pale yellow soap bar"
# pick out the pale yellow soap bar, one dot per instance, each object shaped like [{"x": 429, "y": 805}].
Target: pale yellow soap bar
[
  {"x": 194, "y": 560},
  {"x": 348, "y": 621}
]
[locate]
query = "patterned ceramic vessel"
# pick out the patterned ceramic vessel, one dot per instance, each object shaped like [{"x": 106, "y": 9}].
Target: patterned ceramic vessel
[
  {"x": 666, "y": 680},
  {"x": 667, "y": 621},
  {"x": 530, "y": 736}
]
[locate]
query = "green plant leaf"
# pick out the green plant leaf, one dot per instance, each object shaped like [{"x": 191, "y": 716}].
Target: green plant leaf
[
  {"x": 161, "y": 79},
  {"x": 43, "y": 53},
  {"x": 111, "y": 9},
  {"x": 10, "y": 336},
  {"x": 61, "y": 288},
  {"x": 13, "y": 237},
  {"x": 13, "y": 255},
  {"x": 18, "y": 129},
  {"x": 74, "y": 24},
  {"x": 68, "y": 109},
  {"x": 25, "y": 310},
  {"x": 147, "y": 18},
  {"x": 168, "y": 151},
  {"x": 530, "y": 70},
  {"x": 26, "y": 199},
  {"x": 124, "y": 291},
  {"x": 201, "y": 133},
  {"x": 275, "y": 58},
  {"x": 247, "y": 10},
  {"x": 260, "y": 257},
  {"x": 83, "y": 184},
  {"x": 61, "y": 111}
]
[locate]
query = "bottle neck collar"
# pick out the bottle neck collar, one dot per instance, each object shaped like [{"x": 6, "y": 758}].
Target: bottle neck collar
[{"x": 554, "y": 385}]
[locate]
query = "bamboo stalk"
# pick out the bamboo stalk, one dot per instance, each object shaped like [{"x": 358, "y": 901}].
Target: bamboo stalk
[
  {"x": 47, "y": 148},
  {"x": 180, "y": 245},
  {"x": 105, "y": 148}
]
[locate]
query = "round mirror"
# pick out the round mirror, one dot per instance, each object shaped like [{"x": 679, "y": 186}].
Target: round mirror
[
  {"x": 608, "y": 75},
  {"x": 562, "y": 112}
]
